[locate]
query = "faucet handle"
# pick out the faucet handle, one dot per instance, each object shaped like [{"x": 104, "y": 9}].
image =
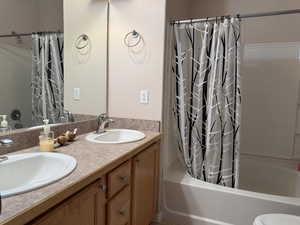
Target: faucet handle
[
  {"x": 110, "y": 121},
  {"x": 102, "y": 117},
  {"x": 69, "y": 115}
]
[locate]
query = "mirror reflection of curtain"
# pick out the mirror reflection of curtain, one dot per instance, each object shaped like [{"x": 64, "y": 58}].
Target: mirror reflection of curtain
[
  {"x": 47, "y": 77},
  {"x": 208, "y": 100}
]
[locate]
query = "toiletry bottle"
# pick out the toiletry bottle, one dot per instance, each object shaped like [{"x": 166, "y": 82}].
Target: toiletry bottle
[
  {"x": 4, "y": 123},
  {"x": 4, "y": 128},
  {"x": 46, "y": 138}
]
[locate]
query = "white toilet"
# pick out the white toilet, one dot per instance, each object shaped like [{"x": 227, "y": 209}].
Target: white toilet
[{"x": 277, "y": 219}]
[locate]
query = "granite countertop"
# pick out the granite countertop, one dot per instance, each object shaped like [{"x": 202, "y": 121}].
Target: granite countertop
[{"x": 93, "y": 161}]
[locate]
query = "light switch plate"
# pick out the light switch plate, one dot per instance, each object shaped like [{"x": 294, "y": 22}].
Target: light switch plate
[
  {"x": 144, "y": 96},
  {"x": 76, "y": 94}
]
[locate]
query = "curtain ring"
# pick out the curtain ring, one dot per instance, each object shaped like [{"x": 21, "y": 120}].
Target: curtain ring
[{"x": 206, "y": 19}]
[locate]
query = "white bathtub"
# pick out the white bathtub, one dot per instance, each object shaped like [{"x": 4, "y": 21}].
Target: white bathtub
[
  {"x": 187, "y": 201},
  {"x": 264, "y": 176}
]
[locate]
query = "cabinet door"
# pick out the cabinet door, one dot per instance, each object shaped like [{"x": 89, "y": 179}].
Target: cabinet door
[
  {"x": 100, "y": 205},
  {"x": 145, "y": 180},
  {"x": 118, "y": 209},
  {"x": 84, "y": 208},
  {"x": 118, "y": 179}
]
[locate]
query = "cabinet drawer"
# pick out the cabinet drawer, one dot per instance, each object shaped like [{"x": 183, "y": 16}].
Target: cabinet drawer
[
  {"x": 119, "y": 208},
  {"x": 119, "y": 178}
]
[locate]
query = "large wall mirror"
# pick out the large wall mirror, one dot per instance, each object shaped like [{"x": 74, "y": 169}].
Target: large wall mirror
[{"x": 50, "y": 68}]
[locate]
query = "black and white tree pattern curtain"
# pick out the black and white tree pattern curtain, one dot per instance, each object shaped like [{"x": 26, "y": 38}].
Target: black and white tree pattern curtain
[
  {"x": 208, "y": 99},
  {"x": 47, "y": 78}
]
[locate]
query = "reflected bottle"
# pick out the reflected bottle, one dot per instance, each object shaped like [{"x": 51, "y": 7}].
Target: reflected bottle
[{"x": 4, "y": 127}]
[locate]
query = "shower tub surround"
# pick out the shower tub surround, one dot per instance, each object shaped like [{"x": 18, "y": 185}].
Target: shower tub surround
[{"x": 198, "y": 202}]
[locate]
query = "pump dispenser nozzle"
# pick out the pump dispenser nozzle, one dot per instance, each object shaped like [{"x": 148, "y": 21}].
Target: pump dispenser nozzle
[{"x": 46, "y": 126}]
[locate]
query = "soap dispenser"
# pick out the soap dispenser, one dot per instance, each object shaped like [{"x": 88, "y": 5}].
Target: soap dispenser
[{"x": 46, "y": 138}]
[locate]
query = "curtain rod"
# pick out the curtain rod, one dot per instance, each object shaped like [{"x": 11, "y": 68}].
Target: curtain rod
[
  {"x": 14, "y": 34},
  {"x": 251, "y": 15}
]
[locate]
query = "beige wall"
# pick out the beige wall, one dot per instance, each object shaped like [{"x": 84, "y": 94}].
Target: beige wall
[
  {"x": 216, "y": 7},
  {"x": 267, "y": 29},
  {"x": 87, "y": 73},
  {"x": 18, "y": 15},
  {"x": 30, "y": 15},
  {"x": 270, "y": 95},
  {"x": 50, "y": 15},
  {"x": 131, "y": 72},
  {"x": 178, "y": 9}
]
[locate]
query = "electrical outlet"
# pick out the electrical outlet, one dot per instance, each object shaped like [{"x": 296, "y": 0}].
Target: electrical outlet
[
  {"x": 144, "y": 96},
  {"x": 76, "y": 94}
]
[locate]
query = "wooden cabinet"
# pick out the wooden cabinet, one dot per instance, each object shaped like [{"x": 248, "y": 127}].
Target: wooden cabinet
[
  {"x": 145, "y": 186},
  {"x": 119, "y": 178},
  {"x": 119, "y": 208},
  {"x": 85, "y": 208},
  {"x": 119, "y": 194},
  {"x": 130, "y": 198}
]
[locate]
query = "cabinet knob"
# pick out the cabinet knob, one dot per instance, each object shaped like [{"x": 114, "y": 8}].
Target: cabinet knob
[
  {"x": 124, "y": 179},
  {"x": 122, "y": 212},
  {"x": 103, "y": 187}
]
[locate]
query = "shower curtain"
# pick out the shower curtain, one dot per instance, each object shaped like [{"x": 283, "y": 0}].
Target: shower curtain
[
  {"x": 207, "y": 107},
  {"x": 47, "y": 77}
]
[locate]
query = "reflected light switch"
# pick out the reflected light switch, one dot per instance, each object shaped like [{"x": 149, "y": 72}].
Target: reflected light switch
[
  {"x": 76, "y": 94},
  {"x": 144, "y": 96}
]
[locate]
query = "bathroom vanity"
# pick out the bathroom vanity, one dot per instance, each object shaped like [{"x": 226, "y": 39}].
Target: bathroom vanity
[{"x": 112, "y": 185}]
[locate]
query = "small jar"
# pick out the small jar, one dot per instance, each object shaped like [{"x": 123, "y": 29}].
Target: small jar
[{"x": 47, "y": 141}]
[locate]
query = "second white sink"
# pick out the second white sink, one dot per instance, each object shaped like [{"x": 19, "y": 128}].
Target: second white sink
[
  {"x": 116, "y": 136},
  {"x": 25, "y": 172}
]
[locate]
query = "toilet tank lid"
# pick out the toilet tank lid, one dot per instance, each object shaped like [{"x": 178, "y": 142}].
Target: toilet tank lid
[{"x": 277, "y": 219}]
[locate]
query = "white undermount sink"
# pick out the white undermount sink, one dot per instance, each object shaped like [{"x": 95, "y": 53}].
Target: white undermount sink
[
  {"x": 116, "y": 136},
  {"x": 25, "y": 172}
]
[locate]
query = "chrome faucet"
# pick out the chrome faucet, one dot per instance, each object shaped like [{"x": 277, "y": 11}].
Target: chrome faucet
[
  {"x": 6, "y": 142},
  {"x": 3, "y": 158},
  {"x": 103, "y": 121},
  {"x": 68, "y": 117}
]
